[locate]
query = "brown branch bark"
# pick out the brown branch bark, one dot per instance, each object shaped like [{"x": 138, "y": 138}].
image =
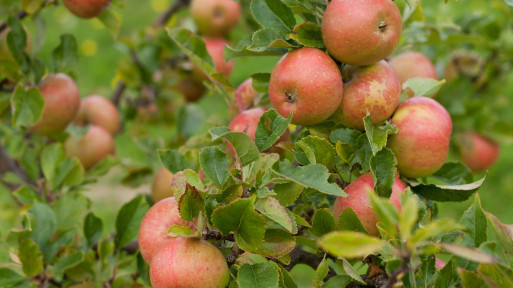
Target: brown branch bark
[{"x": 7, "y": 164}]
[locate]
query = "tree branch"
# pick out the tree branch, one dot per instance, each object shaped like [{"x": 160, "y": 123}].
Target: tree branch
[
  {"x": 22, "y": 14},
  {"x": 7, "y": 164}
]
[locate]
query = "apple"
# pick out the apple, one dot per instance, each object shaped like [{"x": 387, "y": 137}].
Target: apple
[
  {"x": 308, "y": 83},
  {"x": 373, "y": 89},
  {"x": 422, "y": 144},
  {"x": 155, "y": 225},
  {"x": 245, "y": 95},
  {"x": 413, "y": 65},
  {"x": 247, "y": 121},
  {"x": 92, "y": 148},
  {"x": 62, "y": 101},
  {"x": 98, "y": 111},
  {"x": 359, "y": 201},
  {"x": 359, "y": 32},
  {"x": 161, "y": 186},
  {"x": 477, "y": 151},
  {"x": 215, "y": 18},
  {"x": 86, "y": 8},
  {"x": 215, "y": 48},
  {"x": 439, "y": 264},
  {"x": 188, "y": 262},
  {"x": 192, "y": 90}
]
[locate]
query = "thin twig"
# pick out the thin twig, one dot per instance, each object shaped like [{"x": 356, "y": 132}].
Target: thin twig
[
  {"x": 120, "y": 88},
  {"x": 7, "y": 164},
  {"x": 164, "y": 17}
]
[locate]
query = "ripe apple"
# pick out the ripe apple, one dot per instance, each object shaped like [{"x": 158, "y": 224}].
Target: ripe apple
[
  {"x": 62, "y": 101},
  {"x": 215, "y": 48},
  {"x": 477, "y": 151},
  {"x": 308, "y": 83},
  {"x": 413, "y": 65},
  {"x": 373, "y": 89},
  {"x": 156, "y": 223},
  {"x": 161, "y": 186},
  {"x": 189, "y": 262},
  {"x": 86, "y": 8},
  {"x": 422, "y": 143},
  {"x": 247, "y": 121},
  {"x": 215, "y": 18},
  {"x": 359, "y": 201},
  {"x": 361, "y": 32},
  {"x": 245, "y": 95},
  {"x": 92, "y": 148},
  {"x": 98, "y": 111}
]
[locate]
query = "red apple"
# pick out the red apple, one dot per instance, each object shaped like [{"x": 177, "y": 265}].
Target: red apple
[
  {"x": 62, "y": 101},
  {"x": 422, "y": 144},
  {"x": 189, "y": 262},
  {"x": 161, "y": 186},
  {"x": 247, "y": 121},
  {"x": 215, "y": 48},
  {"x": 477, "y": 152},
  {"x": 360, "y": 32},
  {"x": 98, "y": 111},
  {"x": 86, "y": 8},
  {"x": 155, "y": 225},
  {"x": 439, "y": 264},
  {"x": 92, "y": 148},
  {"x": 359, "y": 201},
  {"x": 413, "y": 65},
  {"x": 215, "y": 18},
  {"x": 308, "y": 83},
  {"x": 245, "y": 95},
  {"x": 373, "y": 89}
]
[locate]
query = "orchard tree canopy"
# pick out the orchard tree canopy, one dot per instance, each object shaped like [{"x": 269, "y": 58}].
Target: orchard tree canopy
[{"x": 256, "y": 143}]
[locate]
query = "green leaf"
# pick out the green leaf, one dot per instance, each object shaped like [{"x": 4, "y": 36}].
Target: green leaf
[
  {"x": 111, "y": 22},
  {"x": 314, "y": 176},
  {"x": 69, "y": 210},
  {"x": 67, "y": 262},
  {"x": 323, "y": 222},
  {"x": 173, "y": 160},
  {"x": 454, "y": 173},
  {"x": 180, "y": 181},
  {"x": 263, "y": 43},
  {"x": 26, "y": 194},
  {"x": 260, "y": 82},
  {"x": 241, "y": 218},
  {"x": 422, "y": 87},
  {"x": 272, "y": 209},
  {"x": 69, "y": 172},
  {"x": 316, "y": 150},
  {"x": 345, "y": 136},
  {"x": 190, "y": 120},
  {"x": 447, "y": 276},
  {"x": 31, "y": 6},
  {"x": 387, "y": 213},
  {"x": 128, "y": 221},
  {"x": 471, "y": 279},
  {"x": 474, "y": 220},
  {"x": 261, "y": 275},
  {"x": 287, "y": 193},
  {"x": 51, "y": 156},
  {"x": 408, "y": 217},
  {"x": 496, "y": 275},
  {"x": 31, "y": 257},
  {"x": 180, "y": 231},
  {"x": 504, "y": 233},
  {"x": 349, "y": 221},
  {"x": 383, "y": 172},
  {"x": 194, "y": 47},
  {"x": 378, "y": 135},
  {"x": 44, "y": 224},
  {"x": 349, "y": 244},
  {"x": 93, "y": 228},
  {"x": 17, "y": 42},
  {"x": 434, "y": 229},
  {"x": 65, "y": 56},
  {"x": 244, "y": 147},
  {"x": 270, "y": 128},
  {"x": 277, "y": 243},
  {"x": 339, "y": 281},
  {"x": 308, "y": 34},
  {"x": 322, "y": 271},
  {"x": 456, "y": 193},
  {"x": 273, "y": 14},
  {"x": 9, "y": 278},
  {"x": 190, "y": 204},
  {"x": 471, "y": 254},
  {"x": 215, "y": 164},
  {"x": 27, "y": 105}
]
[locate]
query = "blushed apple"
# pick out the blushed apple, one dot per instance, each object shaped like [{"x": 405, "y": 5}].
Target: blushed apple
[
  {"x": 215, "y": 18},
  {"x": 245, "y": 95},
  {"x": 413, "y": 65},
  {"x": 92, "y": 148},
  {"x": 86, "y": 8},
  {"x": 308, "y": 83},
  {"x": 477, "y": 151},
  {"x": 99, "y": 111}
]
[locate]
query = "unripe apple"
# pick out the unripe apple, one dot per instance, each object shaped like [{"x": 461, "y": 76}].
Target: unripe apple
[
  {"x": 422, "y": 144},
  {"x": 359, "y": 201},
  {"x": 62, "y": 101},
  {"x": 155, "y": 225},
  {"x": 360, "y": 32},
  {"x": 92, "y": 148},
  {"x": 413, "y": 65},
  {"x": 86, "y": 8},
  {"x": 98, "y": 111},
  {"x": 245, "y": 95},
  {"x": 215, "y": 18},
  {"x": 161, "y": 186},
  {"x": 189, "y": 262},
  {"x": 308, "y": 83},
  {"x": 373, "y": 89},
  {"x": 477, "y": 152}
]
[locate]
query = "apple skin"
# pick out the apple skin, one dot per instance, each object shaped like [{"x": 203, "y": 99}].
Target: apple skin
[
  {"x": 92, "y": 148},
  {"x": 215, "y": 18},
  {"x": 99, "y": 111},
  {"x": 359, "y": 201},
  {"x": 308, "y": 83},
  {"x": 245, "y": 95},
  {"x": 477, "y": 152},
  {"x": 247, "y": 120},
  {"x": 86, "y": 8},
  {"x": 156, "y": 223},
  {"x": 161, "y": 186},
  {"x": 413, "y": 65},
  {"x": 62, "y": 101},
  {"x": 189, "y": 262},
  {"x": 359, "y": 32},
  {"x": 422, "y": 144},
  {"x": 374, "y": 89}
]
